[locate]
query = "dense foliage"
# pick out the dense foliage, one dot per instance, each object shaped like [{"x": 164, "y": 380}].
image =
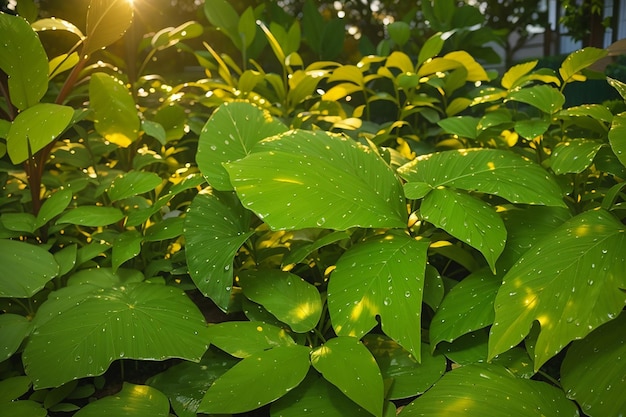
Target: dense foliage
[{"x": 412, "y": 234}]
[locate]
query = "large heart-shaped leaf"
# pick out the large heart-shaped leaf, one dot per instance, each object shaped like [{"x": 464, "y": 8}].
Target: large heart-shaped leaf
[
  {"x": 593, "y": 370},
  {"x": 229, "y": 135},
  {"x": 467, "y": 307},
  {"x": 571, "y": 282},
  {"x": 314, "y": 179},
  {"x": 215, "y": 228},
  {"x": 348, "y": 365},
  {"x": 36, "y": 127},
  {"x": 263, "y": 377},
  {"x": 138, "y": 321},
  {"x": 132, "y": 401},
  {"x": 488, "y": 171},
  {"x": 246, "y": 338},
  {"x": 26, "y": 268},
  {"x": 24, "y": 60},
  {"x": 382, "y": 277},
  {"x": 107, "y": 21},
  {"x": 468, "y": 219},
  {"x": 489, "y": 390},
  {"x": 287, "y": 296}
]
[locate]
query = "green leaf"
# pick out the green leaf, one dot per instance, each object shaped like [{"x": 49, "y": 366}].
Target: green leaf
[
  {"x": 573, "y": 156},
  {"x": 299, "y": 254},
  {"x": 467, "y": 218},
  {"x": 36, "y": 127},
  {"x": 24, "y": 60},
  {"x": 13, "y": 388},
  {"x": 570, "y": 282},
  {"x": 463, "y": 126},
  {"x": 53, "y": 23},
  {"x": 126, "y": 246},
  {"x": 186, "y": 382},
  {"x": 263, "y": 377},
  {"x": 224, "y": 17},
  {"x": 579, "y": 60},
  {"x": 133, "y": 183},
  {"x": 433, "y": 287},
  {"x": 62, "y": 63},
  {"x": 512, "y": 75},
  {"x": 242, "y": 339},
  {"x": 382, "y": 277},
  {"x": 53, "y": 206},
  {"x": 616, "y": 137},
  {"x": 593, "y": 370},
  {"x": 287, "y": 296},
  {"x": 18, "y": 222},
  {"x": 170, "y": 36},
  {"x": 173, "y": 119},
  {"x": 92, "y": 216},
  {"x": 246, "y": 27},
  {"x": 598, "y": 112},
  {"x": 107, "y": 21},
  {"x": 488, "y": 171},
  {"x": 431, "y": 48},
  {"x": 155, "y": 130},
  {"x": 466, "y": 308},
  {"x": 13, "y": 329},
  {"x": 169, "y": 228},
  {"x": 313, "y": 179},
  {"x": 399, "y": 32},
  {"x": 132, "y": 401},
  {"x": 215, "y": 228},
  {"x": 115, "y": 114},
  {"x": 485, "y": 385},
  {"x": 348, "y": 365},
  {"x": 531, "y": 128},
  {"x": 229, "y": 135},
  {"x": 409, "y": 378},
  {"x": 618, "y": 85},
  {"x": 23, "y": 408},
  {"x": 416, "y": 190},
  {"x": 136, "y": 321},
  {"x": 26, "y": 268},
  {"x": 547, "y": 99}
]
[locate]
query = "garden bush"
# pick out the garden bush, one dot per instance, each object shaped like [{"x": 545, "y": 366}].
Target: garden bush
[{"x": 407, "y": 235}]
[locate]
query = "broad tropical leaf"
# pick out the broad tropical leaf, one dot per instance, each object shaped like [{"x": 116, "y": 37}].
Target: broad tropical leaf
[
  {"x": 242, "y": 339},
  {"x": 137, "y": 321},
  {"x": 287, "y": 296},
  {"x": 24, "y": 60},
  {"x": 132, "y": 401},
  {"x": 466, "y": 308},
  {"x": 13, "y": 329},
  {"x": 617, "y": 137},
  {"x": 229, "y": 135},
  {"x": 468, "y": 219},
  {"x": 409, "y": 378},
  {"x": 573, "y": 156},
  {"x": 263, "y": 377},
  {"x": 132, "y": 183},
  {"x": 488, "y": 171},
  {"x": 489, "y": 390},
  {"x": 382, "y": 277},
  {"x": 26, "y": 268},
  {"x": 571, "y": 282},
  {"x": 593, "y": 370},
  {"x": 348, "y": 365},
  {"x": 215, "y": 228},
  {"x": 107, "y": 21},
  {"x": 314, "y": 179}
]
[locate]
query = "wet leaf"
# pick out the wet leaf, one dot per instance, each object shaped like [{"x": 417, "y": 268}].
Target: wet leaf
[
  {"x": 107, "y": 21},
  {"x": 242, "y": 339},
  {"x": 13, "y": 329},
  {"x": 26, "y": 268},
  {"x": 93, "y": 216},
  {"x": 573, "y": 156},
  {"x": 132, "y": 401},
  {"x": 132, "y": 183}
]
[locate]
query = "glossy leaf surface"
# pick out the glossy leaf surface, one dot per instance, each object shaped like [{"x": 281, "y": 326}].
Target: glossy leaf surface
[
  {"x": 132, "y": 183},
  {"x": 107, "y": 21},
  {"x": 573, "y": 156},
  {"x": 313, "y": 179},
  {"x": 26, "y": 268},
  {"x": 242, "y": 339},
  {"x": 133, "y": 400},
  {"x": 93, "y": 216},
  {"x": 13, "y": 329},
  {"x": 382, "y": 277},
  {"x": 616, "y": 137}
]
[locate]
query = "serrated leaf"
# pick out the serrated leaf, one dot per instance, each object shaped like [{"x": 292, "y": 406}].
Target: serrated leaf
[
  {"x": 513, "y": 74},
  {"x": 215, "y": 228},
  {"x": 485, "y": 385},
  {"x": 287, "y": 296},
  {"x": 53, "y": 206},
  {"x": 13, "y": 329},
  {"x": 382, "y": 277},
  {"x": 466, "y": 308},
  {"x": 107, "y": 21},
  {"x": 132, "y": 401},
  {"x": 26, "y": 268},
  {"x": 593, "y": 371},
  {"x": 136, "y": 321},
  {"x": 409, "y": 377},
  {"x": 570, "y": 282},
  {"x": 242, "y": 339},
  {"x": 467, "y": 218},
  {"x": 92, "y": 216},
  {"x": 348, "y": 365},
  {"x": 229, "y": 135},
  {"x": 488, "y": 171},
  {"x": 24, "y": 60},
  {"x": 132, "y": 183},
  {"x": 544, "y": 97},
  {"x": 36, "y": 127},
  {"x": 579, "y": 60},
  {"x": 573, "y": 156},
  {"x": 313, "y": 179},
  {"x": 617, "y": 137},
  {"x": 115, "y": 114},
  {"x": 264, "y": 377}
]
